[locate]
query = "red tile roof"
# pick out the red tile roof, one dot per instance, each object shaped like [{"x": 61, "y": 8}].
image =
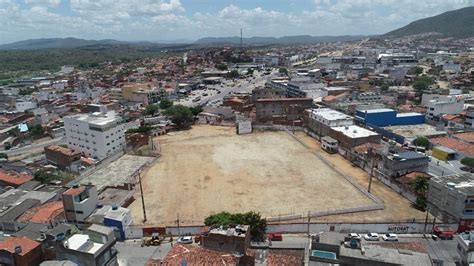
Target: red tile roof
[
  {"x": 411, "y": 177},
  {"x": 74, "y": 191},
  {"x": 43, "y": 214},
  {"x": 457, "y": 145},
  {"x": 364, "y": 148},
  {"x": 26, "y": 244},
  {"x": 285, "y": 257},
  {"x": 195, "y": 255},
  {"x": 14, "y": 178},
  {"x": 467, "y": 136},
  {"x": 63, "y": 150}
]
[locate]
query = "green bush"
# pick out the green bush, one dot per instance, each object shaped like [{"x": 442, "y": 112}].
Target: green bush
[{"x": 258, "y": 225}]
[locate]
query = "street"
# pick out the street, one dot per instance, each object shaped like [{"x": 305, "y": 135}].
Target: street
[
  {"x": 33, "y": 147},
  {"x": 441, "y": 168}
]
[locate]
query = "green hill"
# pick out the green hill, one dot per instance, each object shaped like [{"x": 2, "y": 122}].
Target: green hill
[{"x": 457, "y": 23}]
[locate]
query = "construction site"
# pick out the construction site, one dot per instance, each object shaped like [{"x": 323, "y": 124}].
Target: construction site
[{"x": 209, "y": 169}]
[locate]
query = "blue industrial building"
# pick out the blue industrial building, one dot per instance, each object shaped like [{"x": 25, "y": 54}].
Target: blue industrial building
[{"x": 388, "y": 117}]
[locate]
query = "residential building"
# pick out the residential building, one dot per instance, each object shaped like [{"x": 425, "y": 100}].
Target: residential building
[
  {"x": 469, "y": 121},
  {"x": 22, "y": 106},
  {"x": 79, "y": 202},
  {"x": 61, "y": 157},
  {"x": 234, "y": 240},
  {"x": 114, "y": 216},
  {"x": 268, "y": 60},
  {"x": 466, "y": 247},
  {"x": 20, "y": 251},
  {"x": 436, "y": 108},
  {"x": 302, "y": 87},
  {"x": 329, "y": 144},
  {"x": 94, "y": 246},
  {"x": 352, "y": 135},
  {"x": 50, "y": 214},
  {"x": 330, "y": 248},
  {"x": 13, "y": 179},
  {"x": 197, "y": 255},
  {"x": 321, "y": 120},
  {"x": 403, "y": 162},
  {"x": 452, "y": 199},
  {"x": 96, "y": 135},
  {"x": 284, "y": 110},
  {"x": 267, "y": 92}
]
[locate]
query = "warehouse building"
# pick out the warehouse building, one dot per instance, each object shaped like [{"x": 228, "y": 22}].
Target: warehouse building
[
  {"x": 352, "y": 135},
  {"x": 388, "y": 117},
  {"x": 321, "y": 120}
]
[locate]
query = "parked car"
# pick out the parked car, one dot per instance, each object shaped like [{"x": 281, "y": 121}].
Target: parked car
[
  {"x": 372, "y": 237},
  {"x": 354, "y": 236},
  {"x": 444, "y": 232},
  {"x": 185, "y": 240},
  {"x": 390, "y": 237},
  {"x": 275, "y": 237}
]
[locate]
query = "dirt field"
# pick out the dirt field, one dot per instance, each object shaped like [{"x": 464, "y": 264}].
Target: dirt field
[
  {"x": 397, "y": 208},
  {"x": 210, "y": 169}
]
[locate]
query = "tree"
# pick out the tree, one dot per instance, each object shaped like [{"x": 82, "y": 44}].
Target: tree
[
  {"x": 258, "y": 225},
  {"x": 420, "y": 186},
  {"x": 384, "y": 87},
  {"x": 423, "y": 83},
  {"x": 3, "y": 155},
  {"x": 141, "y": 129},
  {"x": 165, "y": 104},
  {"x": 283, "y": 70},
  {"x": 421, "y": 141},
  {"x": 36, "y": 131},
  {"x": 221, "y": 67},
  {"x": 151, "y": 109},
  {"x": 233, "y": 74},
  {"x": 180, "y": 115},
  {"x": 416, "y": 70},
  {"x": 468, "y": 161},
  {"x": 250, "y": 71},
  {"x": 196, "y": 110}
]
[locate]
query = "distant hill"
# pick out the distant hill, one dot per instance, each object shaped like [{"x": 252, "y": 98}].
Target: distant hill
[
  {"x": 35, "y": 44},
  {"x": 457, "y": 23},
  {"x": 281, "y": 40}
]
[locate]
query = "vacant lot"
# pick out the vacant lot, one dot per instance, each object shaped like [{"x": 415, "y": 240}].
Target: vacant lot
[{"x": 210, "y": 169}]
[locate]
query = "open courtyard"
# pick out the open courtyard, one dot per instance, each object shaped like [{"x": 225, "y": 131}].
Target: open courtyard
[{"x": 209, "y": 169}]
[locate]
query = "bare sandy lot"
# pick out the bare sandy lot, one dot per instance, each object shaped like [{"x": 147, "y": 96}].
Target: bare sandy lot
[{"x": 211, "y": 169}]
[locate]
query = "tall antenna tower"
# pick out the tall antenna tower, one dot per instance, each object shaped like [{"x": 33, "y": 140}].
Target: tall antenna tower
[{"x": 241, "y": 41}]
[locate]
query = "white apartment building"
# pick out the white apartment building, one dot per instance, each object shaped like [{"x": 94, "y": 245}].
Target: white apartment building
[
  {"x": 97, "y": 135},
  {"x": 322, "y": 119},
  {"x": 453, "y": 105}
]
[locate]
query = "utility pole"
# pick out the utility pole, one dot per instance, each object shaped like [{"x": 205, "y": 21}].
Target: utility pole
[
  {"x": 309, "y": 222},
  {"x": 177, "y": 221},
  {"x": 371, "y": 170},
  {"x": 141, "y": 193},
  {"x": 426, "y": 222}
]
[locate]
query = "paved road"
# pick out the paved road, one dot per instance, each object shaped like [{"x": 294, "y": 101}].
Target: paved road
[
  {"x": 243, "y": 85},
  {"x": 132, "y": 254},
  {"x": 441, "y": 168},
  {"x": 32, "y": 147}
]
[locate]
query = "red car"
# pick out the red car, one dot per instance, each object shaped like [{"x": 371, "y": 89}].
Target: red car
[
  {"x": 275, "y": 237},
  {"x": 445, "y": 232}
]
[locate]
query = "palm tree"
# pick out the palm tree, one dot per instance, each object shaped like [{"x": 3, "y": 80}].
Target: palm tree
[{"x": 420, "y": 185}]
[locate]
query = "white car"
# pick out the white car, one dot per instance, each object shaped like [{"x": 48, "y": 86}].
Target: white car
[
  {"x": 355, "y": 236},
  {"x": 372, "y": 237},
  {"x": 390, "y": 237},
  {"x": 185, "y": 240}
]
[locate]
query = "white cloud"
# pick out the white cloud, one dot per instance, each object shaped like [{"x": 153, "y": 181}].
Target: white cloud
[
  {"x": 52, "y": 3},
  {"x": 166, "y": 19}
]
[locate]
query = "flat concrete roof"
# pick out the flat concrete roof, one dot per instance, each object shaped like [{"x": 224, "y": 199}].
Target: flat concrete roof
[
  {"x": 354, "y": 131},
  {"x": 387, "y": 255},
  {"x": 119, "y": 172}
]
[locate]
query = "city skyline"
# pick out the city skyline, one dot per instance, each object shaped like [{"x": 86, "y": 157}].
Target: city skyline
[{"x": 169, "y": 20}]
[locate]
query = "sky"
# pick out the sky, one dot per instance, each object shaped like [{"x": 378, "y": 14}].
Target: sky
[{"x": 167, "y": 20}]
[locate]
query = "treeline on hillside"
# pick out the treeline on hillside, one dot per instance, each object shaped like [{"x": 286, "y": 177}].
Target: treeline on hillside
[{"x": 84, "y": 57}]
